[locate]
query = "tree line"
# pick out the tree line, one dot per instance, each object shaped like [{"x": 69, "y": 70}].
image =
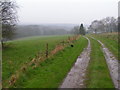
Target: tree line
[
  {"x": 38, "y": 30},
  {"x": 105, "y": 25},
  {"x": 108, "y": 24}
]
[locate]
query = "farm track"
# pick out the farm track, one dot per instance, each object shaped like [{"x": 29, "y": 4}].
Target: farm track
[
  {"x": 112, "y": 63},
  {"x": 76, "y": 76}
]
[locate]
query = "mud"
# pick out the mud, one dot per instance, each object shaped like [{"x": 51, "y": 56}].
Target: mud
[{"x": 76, "y": 76}]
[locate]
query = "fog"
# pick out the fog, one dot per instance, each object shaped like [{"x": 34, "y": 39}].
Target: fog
[
  {"x": 119, "y": 9},
  {"x": 58, "y": 17},
  {"x": 42, "y": 30},
  {"x": 65, "y": 11}
]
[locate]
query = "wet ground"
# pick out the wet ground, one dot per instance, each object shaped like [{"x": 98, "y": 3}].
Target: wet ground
[
  {"x": 112, "y": 63},
  {"x": 76, "y": 76}
]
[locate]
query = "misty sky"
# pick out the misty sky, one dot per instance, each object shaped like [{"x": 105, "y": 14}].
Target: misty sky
[{"x": 65, "y": 11}]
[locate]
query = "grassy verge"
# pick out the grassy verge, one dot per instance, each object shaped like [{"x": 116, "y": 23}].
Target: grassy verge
[
  {"x": 110, "y": 41},
  {"x": 51, "y": 72},
  {"x": 97, "y": 72},
  {"x": 19, "y": 51}
]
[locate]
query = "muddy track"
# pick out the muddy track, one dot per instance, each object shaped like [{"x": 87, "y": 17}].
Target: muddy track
[
  {"x": 76, "y": 76},
  {"x": 112, "y": 63}
]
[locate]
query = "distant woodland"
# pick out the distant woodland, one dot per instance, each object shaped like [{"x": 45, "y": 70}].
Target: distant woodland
[{"x": 39, "y": 30}]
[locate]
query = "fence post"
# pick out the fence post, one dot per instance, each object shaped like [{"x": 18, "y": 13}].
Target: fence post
[
  {"x": 69, "y": 39},
  {"x": 63, "y": 42},
  {"x": 46, "y": 50}
]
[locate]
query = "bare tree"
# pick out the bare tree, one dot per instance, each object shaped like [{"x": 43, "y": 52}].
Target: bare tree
[
  {"x": 9, "y": 19},
  {"x": 118, "y": 24},
  {"x": 94, "y": 26},
  {"x": 108, "y": 24}
]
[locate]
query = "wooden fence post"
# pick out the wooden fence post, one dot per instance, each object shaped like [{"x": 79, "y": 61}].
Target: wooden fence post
[
  {"x": 63, "y": 42},
  {"x": 47, "y": 50}
]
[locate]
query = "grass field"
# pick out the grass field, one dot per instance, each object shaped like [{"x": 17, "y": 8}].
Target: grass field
[
  {"x": 19, "y": 51},
  {"x": 51, "y": 72},
  {"x": 97, "y": 73},
  {"x": 111, "y": 41}
]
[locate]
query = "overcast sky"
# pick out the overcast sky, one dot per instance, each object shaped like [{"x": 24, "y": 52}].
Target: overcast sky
[{"x": 65, "y": 11}]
